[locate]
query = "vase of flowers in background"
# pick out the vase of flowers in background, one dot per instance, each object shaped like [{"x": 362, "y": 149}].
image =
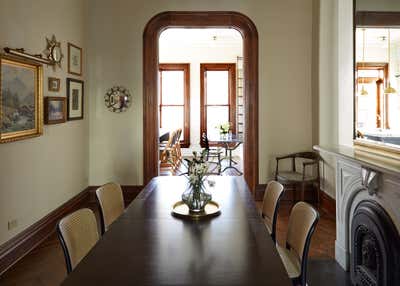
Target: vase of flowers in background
[
  {"x": 195, "y": 197},
  {"x": 224, "y": 129}
]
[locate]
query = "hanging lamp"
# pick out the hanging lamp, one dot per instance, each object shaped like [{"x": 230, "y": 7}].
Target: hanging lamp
[{"x": 389, "y": 89}]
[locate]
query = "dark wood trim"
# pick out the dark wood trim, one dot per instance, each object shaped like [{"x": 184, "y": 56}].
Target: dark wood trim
[
  {"x": 129, "y": 192},
  {"x": 231, "y": 68},
  {"x": 375, "y": 19},
  {"x": 210, "y": 19},
  {"x": 327, "y": 204},
  {"x": 21, "y": 244},
  {"x": 185, "y": 143}
]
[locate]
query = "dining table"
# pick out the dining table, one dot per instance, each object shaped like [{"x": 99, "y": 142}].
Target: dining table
[{"x": 147, "y": 245}]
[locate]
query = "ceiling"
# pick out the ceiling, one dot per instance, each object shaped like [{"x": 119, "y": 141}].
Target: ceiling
[
  {"x": 377, "y": 37},
  {"x": 200, "y": 37}
]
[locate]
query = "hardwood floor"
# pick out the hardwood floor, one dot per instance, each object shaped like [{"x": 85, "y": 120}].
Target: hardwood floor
[
  {"x": 45, "y": 265},
  {"x": 224, "y": 163}
]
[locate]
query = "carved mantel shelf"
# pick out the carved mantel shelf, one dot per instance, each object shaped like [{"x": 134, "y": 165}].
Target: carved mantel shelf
[{"x": 379, "y": 163}]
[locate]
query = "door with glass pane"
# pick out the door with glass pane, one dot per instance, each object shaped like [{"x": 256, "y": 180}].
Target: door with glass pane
[
  {"x": 174, "y": 100},
  {"x": 217, "y": 98}
]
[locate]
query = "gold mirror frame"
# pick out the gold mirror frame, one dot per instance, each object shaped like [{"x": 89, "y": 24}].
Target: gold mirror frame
[{"x": 52, "y": 47}]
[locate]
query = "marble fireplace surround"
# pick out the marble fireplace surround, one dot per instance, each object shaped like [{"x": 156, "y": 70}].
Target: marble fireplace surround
[{"x": 361, "y": 177}]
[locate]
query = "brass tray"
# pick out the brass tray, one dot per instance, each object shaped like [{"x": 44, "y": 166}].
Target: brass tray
[{"x": 181, "y": 210}]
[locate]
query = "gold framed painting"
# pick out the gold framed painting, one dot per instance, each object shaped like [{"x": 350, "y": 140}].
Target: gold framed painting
[{"x": 21, "y": 99}]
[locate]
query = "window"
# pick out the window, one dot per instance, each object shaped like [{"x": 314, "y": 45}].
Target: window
[
  {"x": 217, "y": 97},
  {"x": 174, "y": 99}
]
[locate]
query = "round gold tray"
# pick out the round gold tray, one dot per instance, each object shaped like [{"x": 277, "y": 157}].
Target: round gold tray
[{"x": 181, "y": 210}]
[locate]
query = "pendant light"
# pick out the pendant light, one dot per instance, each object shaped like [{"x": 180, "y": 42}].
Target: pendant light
[
  {"x": 389, "y": 89},
  {"x": 363, "y": 91}
]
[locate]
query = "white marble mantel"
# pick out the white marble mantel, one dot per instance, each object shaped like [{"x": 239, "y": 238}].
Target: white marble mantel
[{"x": 360, "y": 177}]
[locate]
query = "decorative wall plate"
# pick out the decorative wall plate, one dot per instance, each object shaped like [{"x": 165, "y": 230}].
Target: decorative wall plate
[{"x": 117, "y": 99}]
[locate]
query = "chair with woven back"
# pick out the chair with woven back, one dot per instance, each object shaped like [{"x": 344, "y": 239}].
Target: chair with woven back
[
  {"x": 303, "y": 220},
  {"x": 166, "y": 150},
  {"x": 308, "y": 176},
  {"x": 78, "y": 233}
]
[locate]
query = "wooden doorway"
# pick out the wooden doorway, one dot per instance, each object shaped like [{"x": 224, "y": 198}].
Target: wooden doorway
[{"x": 213, "y": 19}]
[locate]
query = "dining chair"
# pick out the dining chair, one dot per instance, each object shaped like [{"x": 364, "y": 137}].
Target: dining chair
[
  {"x": 111, "y": 202},
  {"x": 302, "y": 222},
  {"x": 307, "y": 176},
  {"x": 212, "y": 152},
  {"x": 272, "y": 196},
  {"x": 77, "y": 233},
  {"x": 166, "y": 151}
]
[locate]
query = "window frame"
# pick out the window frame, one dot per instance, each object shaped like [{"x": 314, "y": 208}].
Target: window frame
[
  {"x": 185, "y": 67},
  {"x": 231, "y": 68},
  {"x": 380, "y": 66}
]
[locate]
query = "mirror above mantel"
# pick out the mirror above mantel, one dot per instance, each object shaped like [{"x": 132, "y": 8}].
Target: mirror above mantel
[{"x": 377, "y": 76}]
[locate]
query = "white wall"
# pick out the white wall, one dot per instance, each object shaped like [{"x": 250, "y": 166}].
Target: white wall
[
  {"x": 195, "y": 54},
  {"x": 335, "y": 82},
  {"x": 38, "y": 175},
  {"x": 115, "y": 45}
]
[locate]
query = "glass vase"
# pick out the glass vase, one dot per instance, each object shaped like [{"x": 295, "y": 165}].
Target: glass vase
[{"x": 196, "y": 198}]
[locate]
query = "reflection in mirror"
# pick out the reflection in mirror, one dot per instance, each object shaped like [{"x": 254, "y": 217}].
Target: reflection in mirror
[{"x": 377, "y": 72}]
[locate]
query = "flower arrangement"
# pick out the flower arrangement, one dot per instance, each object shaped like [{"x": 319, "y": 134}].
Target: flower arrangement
[
  {"x": 224, "y": 128},
  {"x": 195, "y": 196}
]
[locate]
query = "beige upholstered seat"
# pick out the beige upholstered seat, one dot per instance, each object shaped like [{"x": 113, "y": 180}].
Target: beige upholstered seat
[
  {"x": 273, "y": 194},
  {"x": 302, "y": 222},
  {"x": 111, "y": 203},
  {"x": 78, "y": 234}
]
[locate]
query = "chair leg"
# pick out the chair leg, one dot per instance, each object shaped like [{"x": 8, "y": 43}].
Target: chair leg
[{"x": 302, "y": 191}]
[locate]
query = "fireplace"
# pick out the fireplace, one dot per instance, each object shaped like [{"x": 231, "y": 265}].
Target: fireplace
[{"x": 375, "y": 246}]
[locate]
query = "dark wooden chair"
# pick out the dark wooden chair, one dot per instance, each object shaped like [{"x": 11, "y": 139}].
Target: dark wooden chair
[
  {"x": 300, "y": 178},
  {"x": 212, "y": 152}
]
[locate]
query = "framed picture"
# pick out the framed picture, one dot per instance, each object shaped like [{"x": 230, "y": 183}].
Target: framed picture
[
  {"x": 75, "y": 93},
  {"x": 74, "y": 59},
  {"x": 55, "y": 110},
  {"x": 54, "y": 84},
  {"x": 21, "y": 99}
]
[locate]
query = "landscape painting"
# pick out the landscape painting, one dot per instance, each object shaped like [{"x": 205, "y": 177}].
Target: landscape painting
[
  {"x": 20, "y": 100},
  {"x": 55, "y": 110}
]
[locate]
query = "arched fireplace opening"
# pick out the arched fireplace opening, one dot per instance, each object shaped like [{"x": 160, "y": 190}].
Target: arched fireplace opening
[{"x": 375, "y": 247}]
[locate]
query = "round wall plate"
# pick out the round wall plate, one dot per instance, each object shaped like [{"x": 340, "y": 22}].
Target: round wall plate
[{"x": 117, "y": 99}]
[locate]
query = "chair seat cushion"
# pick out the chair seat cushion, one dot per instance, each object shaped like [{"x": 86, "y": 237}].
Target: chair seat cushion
[
  {"x": 290, "y": 261},
  {"x": 286, "y": 176}
]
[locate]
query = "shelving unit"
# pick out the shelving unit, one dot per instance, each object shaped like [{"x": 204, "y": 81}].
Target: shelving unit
[{"x": 239, "y": 98}]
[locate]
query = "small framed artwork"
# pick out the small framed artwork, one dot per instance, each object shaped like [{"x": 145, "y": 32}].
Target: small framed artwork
[
  {"x": 55, "y": 110},
  {"x": 21, "y": 99},
  {"x": 75, "y": 93},
  {"x": 54, "y": 84},
  {"x": 74, "y": 59}
]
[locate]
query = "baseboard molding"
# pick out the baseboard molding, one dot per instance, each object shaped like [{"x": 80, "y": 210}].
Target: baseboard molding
[
  {"x": 327, "y": 204},
  {"x": 20, "y": 245},
  {"x": 130, "y": 192}
]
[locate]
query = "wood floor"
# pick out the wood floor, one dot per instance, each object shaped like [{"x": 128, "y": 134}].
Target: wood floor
[
  {"x": 224, "y": 163},
  {"x": 44, "y": 266}
]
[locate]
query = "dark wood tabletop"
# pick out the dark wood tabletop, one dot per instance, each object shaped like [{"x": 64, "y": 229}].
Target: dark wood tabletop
[{"x": 148, "y": 246}]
